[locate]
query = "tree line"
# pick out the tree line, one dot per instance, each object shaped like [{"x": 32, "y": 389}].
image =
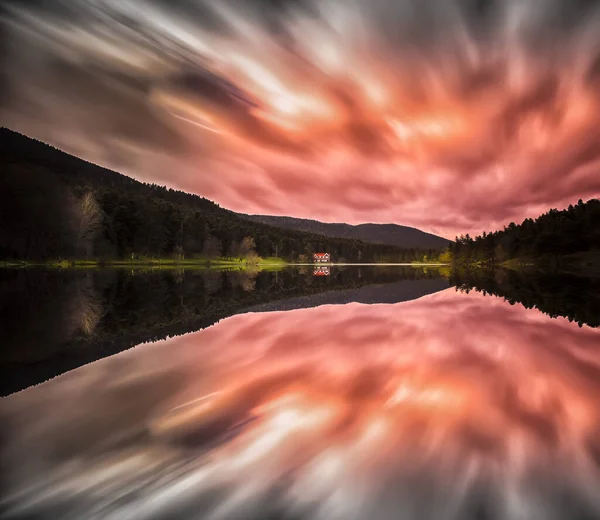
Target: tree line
[
  {"x": 552, "y": 236},
  {"x": 576, "y": 298}
]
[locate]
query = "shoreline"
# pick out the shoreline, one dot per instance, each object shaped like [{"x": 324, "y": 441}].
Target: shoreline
[{"x": 162, "y": 264}]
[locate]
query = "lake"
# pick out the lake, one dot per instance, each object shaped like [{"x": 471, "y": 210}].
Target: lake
[{"x": 356, "y": 393}]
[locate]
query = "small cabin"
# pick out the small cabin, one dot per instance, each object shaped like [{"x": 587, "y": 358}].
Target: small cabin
[{"x": 319, "y": 258}]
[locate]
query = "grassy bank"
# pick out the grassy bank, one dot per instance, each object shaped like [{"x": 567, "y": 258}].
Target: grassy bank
[
  {"x": 581, "y": 264},
  {"x": 207, "y": 263},
  {"x": 262, "y": 263}
]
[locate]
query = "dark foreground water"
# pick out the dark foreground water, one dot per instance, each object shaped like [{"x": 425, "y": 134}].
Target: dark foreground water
[{"x": 350, "y": 395}]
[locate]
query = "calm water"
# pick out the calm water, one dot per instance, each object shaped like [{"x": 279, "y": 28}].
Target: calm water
[{"x": 350, "y": 395}]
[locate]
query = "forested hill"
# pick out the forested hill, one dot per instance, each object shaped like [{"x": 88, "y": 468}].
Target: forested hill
[
  {"x": 53, "y": 204},
  {"x": 19, "y": 150},
  {"x": 566, "y": 238},
  {"x": 391, "y": 234}
]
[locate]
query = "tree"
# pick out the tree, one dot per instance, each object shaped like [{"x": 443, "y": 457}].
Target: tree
[
  {"x": 233, "y": 250},
  {"x": 445, "y": 257},
  {"x": 248, "y": 250},
  {"x": 89, "y": 222},
  {"x": 247, "y": 246},
  {"x": 499, "y": 255},
  {"x": 211, "y": 247}
]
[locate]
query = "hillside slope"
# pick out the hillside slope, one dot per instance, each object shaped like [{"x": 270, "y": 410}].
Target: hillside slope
[
  {"x": 390, "y": 234},
  {"x": 55, "y": 205},
  {"x": 567, "y": 239}
]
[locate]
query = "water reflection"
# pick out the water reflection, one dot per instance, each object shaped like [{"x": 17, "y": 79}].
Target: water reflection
[
  {"x": 556, "y": 294},
  {"x": 53, "y": 321},
  {"x": 451, "y": 406}
]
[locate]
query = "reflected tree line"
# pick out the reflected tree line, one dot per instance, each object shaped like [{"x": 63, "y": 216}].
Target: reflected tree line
[
  {"x": 574, "y": 297},
  {"x": 54, "y": 320}
]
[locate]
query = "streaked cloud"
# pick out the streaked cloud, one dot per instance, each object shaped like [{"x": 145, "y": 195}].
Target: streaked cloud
[
  {"x": 449, "y": 406},
  {"x": 452, "y": 116}
]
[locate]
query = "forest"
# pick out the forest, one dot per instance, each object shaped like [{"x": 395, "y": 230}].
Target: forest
[
  {"x": 555, "y": 239},
  {"x": 59, "y": 207}
]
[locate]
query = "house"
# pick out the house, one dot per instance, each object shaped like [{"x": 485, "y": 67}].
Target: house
[{"x": 321, "y": 257}]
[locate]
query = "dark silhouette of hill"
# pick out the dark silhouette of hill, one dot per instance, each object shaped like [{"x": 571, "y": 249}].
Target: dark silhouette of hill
[
  {"x": 568, "y": 239},
  {"x": 391, "y": 234},
  {"x": 53, "y": 204}
]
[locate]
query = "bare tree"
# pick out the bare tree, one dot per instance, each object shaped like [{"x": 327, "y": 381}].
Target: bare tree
[
  {"x": 247, "y": 246},
  {"x": 248, "y": 250},
  {"x": 90, "y": 221}
]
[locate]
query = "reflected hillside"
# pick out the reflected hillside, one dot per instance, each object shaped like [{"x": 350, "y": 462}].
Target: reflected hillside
[
  {"x": 574, "y": 297},
  {"x": 54, "y": 321}
]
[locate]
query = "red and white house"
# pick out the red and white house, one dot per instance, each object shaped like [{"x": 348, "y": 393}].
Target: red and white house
[{"x": 321, "y": 257}]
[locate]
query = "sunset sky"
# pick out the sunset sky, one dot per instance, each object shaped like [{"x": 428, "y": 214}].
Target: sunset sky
[{"x": 452, "y": 116}]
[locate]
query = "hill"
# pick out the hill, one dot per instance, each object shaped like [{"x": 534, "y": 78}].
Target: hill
[
  {"x": 390, "y": 234},
  {"x": 566, "y": 239},
  {"x": 55, "y": 205}
]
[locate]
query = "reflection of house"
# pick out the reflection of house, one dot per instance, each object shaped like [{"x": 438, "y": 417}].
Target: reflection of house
[
  {"x": 321, "y": 257},
  {"x": 321, "y": 271}
]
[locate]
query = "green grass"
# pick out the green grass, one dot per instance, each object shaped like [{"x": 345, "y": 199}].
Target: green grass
[
  {"x": 270, "y": 263},
  {"x": 583, "y": 264},
  {"x": 241, "y": 263}
]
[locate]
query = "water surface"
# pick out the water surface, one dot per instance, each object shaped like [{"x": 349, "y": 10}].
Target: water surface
[{"x": 445, "y": 405}]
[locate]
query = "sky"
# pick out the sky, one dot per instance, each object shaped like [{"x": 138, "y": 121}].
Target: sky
[{"x": 453, "y": 116}]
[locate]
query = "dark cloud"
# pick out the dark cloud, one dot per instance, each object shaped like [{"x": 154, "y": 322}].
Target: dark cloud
[
  {"x": 58, "y": 8},
  {"x": 108, "y": 109},
  {"x": 213, "y": 88},
  {"x": 593, "y": 73},
  {"x": 201, "y": 14}
]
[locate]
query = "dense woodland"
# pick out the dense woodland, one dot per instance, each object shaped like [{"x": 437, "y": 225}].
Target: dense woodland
[
  {"x": 548, "y": 239},
  {"x": 55, "y": 205}
]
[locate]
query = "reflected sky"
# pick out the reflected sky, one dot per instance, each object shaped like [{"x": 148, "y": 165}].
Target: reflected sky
[{"x": 450, "y": 406}]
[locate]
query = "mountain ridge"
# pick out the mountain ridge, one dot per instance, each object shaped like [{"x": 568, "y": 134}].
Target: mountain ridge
[{"x": 390, "y": 234}]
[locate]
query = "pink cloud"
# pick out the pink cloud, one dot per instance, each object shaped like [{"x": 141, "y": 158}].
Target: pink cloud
[
  {"x": 450, "y": 388},
  {"x": 387, "y": 112}
]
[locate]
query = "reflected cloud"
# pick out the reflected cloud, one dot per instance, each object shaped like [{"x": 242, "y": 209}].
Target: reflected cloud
[{"x": 450, "y": 406}]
